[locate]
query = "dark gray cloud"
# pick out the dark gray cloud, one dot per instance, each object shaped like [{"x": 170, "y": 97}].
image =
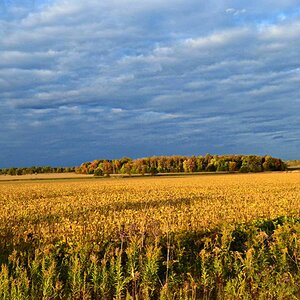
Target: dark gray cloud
[{"x": 86, "y": 79}]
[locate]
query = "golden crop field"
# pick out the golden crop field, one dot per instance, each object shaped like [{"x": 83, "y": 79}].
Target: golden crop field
[{"x": 186, "y": 237}]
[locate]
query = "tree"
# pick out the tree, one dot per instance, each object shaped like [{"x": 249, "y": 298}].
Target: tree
[
  {"x": 211, "y": 167},
  {"x": 273, "y": 164},
  {"x": 153, "y": 171},
  {"x": 252, "y": 163},
  {"x": 12, "y": 171},
  {"x": 139, "y": 166},
  {"x": 200, "y": 163},
  {"x": 98, "y": 172},
  {"x": 19, "y": 171},
  {"x": 232, "y": 166},
  {"x": 117, "y": 165},
  {"x": 190, "y": 165},
  {"x": 127, "y": 168},
  {"x": 222, "y": 165},
  {"x": 107, "y": 168}
]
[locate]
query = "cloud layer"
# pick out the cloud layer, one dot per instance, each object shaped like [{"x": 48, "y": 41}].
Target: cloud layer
[{"x": 81, "y": 80}]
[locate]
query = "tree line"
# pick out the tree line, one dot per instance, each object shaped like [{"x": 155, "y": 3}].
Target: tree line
[
  {"x": 36, "y": 170},
  {"x": 182, "y": 164},
  {"x": 163, "y": 164}
]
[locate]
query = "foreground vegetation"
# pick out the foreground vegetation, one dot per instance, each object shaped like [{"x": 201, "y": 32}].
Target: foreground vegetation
[{"x": 225, "y": 237}]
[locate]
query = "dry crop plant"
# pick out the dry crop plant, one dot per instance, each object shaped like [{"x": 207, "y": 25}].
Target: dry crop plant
[{"x": 203, "y": 237}]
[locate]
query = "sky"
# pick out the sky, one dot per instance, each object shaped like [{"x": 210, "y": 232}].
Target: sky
[{"x": 84, "y": 80}]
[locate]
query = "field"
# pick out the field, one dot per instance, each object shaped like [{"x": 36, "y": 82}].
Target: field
[
  {"x": 199, "y": 237},
  {"x": 45, "y": 176}
]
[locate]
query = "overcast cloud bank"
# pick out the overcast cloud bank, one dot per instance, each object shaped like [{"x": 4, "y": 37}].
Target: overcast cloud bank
[{"x": 81, "y": 80}]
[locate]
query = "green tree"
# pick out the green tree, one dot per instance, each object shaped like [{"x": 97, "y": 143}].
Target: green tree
[
  {"x": 252, "y": 163},
  {"x": 222, "y": 165},
  {"x": 153, "y": 171}
]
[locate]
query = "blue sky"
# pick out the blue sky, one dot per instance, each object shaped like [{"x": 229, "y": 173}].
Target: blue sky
[{"x": 81, "y": 80}]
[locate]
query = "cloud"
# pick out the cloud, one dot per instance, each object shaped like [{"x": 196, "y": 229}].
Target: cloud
[
  {"x": 235, "y": 12},
  {"x": 158, "y": 77}
]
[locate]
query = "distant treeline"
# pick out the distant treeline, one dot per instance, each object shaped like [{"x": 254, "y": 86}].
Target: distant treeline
[
  {"x": 180, "y": 164},
  {"x": 293, "y": 164},
  {"x": 36, "y": 170}
]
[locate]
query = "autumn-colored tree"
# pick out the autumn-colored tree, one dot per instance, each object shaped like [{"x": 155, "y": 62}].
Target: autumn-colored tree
[
  {"x": 107, "y": 168},
  {"x": 167, "y": 164},
  {"x": 139, "y": 166},
  {"x": 116, "y": 164},
  {"x": 92, "y": 166},
  {"x": 272, "y": 164},
  {"x": 127, "y": 168},
  {"x": 232, "y": 166},
  {"x": 190, "y": 165}
]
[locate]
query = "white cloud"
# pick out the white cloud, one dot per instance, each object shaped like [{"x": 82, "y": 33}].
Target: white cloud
[
  {"x": 218, "y": 39},
  {"x": 289, "y": 31},
  {"x": 235, "y": 12}
]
